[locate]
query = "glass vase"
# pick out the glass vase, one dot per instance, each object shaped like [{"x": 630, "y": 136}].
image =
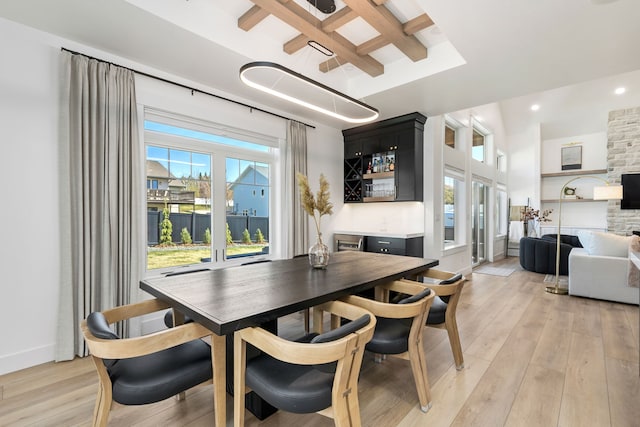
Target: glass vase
[{"x": 319, "y": 254}]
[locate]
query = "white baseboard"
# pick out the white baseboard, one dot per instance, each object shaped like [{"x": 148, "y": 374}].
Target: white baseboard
[{"x": 26, "y": 359}]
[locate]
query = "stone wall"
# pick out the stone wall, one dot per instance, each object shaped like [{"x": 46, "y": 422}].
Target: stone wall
[{"x": 623, "y": 156}]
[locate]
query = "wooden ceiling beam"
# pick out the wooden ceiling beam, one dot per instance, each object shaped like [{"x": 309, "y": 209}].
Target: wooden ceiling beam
[
  {"x": 252, "y": 17},
  {"x": 335, "y": 21},
  {"x": 295, "y": 44},
  {"x": 332, "y": 64},
  {"x": 416, "y": 24},
  {"x": 410, "y": 27},
  {"x": 383, "y": 21},
  {"x": 305, "y": 22},
  {"x": 371, "y": 45},
  {"x": 338, "y": 19}
]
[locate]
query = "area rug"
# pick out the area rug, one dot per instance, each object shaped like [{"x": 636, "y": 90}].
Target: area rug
[
  {"x": 551, "y": 278},
  {"x": 495, "y": 271}
]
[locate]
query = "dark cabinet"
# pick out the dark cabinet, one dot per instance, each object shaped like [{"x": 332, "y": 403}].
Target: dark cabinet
[
  {"x": 383, "y": 161},
  {"x": 395, "y": 245}
]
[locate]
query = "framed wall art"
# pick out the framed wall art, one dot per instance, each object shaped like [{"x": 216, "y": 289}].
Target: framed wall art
[{"x": 571, "y": 157}]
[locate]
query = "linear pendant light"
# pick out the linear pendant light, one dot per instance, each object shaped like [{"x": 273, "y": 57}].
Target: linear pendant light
[{"x": 284, "y": 83}]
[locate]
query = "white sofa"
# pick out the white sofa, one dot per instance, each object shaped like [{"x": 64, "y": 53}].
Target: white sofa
[{"x": 601, "y": 269}]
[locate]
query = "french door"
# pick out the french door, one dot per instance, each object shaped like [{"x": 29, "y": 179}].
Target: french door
[{"x": 478, "y": 222}]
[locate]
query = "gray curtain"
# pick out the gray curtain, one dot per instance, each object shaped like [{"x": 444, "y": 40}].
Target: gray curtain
[
  {"x": 296, "y": 161},
  {"x": 101, "y": 182}
]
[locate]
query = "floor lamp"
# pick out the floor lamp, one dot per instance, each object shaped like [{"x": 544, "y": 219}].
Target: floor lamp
[{"x": 604, "y": 192}]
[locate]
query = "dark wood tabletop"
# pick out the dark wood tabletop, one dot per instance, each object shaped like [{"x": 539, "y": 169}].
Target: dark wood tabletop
[{"x": 233, "y": 298}]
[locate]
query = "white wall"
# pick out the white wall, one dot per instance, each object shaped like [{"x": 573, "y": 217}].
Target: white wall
[
  {"x": 29, "y": 255},
  {"x": 524, "y": 167},
  {"x": 29, "y": 109},
  {"x": 594, "y": 157},
  {"x": 594, "y": 152}
]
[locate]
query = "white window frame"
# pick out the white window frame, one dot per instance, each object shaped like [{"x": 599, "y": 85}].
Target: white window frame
[
  {"x": 459, "y": 203},
  {"x": 219, "y": 153},
  {"x": 451, "y": 123}
]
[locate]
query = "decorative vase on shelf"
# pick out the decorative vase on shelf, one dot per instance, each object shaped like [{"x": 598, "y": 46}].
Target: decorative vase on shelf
[
  {"x": 531, "y": 227},
  {"x": 319, "y": 254}
]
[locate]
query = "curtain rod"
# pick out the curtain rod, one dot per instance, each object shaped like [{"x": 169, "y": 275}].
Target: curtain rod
[{"x": 192, "y": 89}]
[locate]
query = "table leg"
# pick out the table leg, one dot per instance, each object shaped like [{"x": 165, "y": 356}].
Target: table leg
[
  {"x": 218, "y": 356},
  {"x": 254, "y": 403}
]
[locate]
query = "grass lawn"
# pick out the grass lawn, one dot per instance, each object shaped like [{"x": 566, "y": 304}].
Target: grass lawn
[{"x": 174, "y": 257}]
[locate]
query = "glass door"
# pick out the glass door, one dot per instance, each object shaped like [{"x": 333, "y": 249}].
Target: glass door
[{"x": 478, "y": 222}]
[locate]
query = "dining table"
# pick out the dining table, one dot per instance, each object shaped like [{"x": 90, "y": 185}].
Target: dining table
[{"x": 229, "y": 299}]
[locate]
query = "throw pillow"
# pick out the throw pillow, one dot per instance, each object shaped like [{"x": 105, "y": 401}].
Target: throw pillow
[
  {"x": 607, "y": 244},
  {"x": 634, "y": 271}
]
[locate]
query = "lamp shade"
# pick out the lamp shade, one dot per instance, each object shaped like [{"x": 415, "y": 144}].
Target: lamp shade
[{"x": 607, "y": 192}]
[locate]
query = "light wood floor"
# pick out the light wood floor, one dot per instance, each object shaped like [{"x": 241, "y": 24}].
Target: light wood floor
[{"x": 531, "y": 359}]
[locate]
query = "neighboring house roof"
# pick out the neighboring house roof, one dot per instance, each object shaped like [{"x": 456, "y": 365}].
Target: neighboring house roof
[
  {"x": 156, "y": 170},
  {"x": 262, "y": 170}
]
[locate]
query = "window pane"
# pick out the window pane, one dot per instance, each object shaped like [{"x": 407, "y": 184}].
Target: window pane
[
  {"x": 449, "y": 210},
  {"x": 178, "y": 207},
  {"x": 477, "y": 150},
  {"x": 247, "y": 207}
]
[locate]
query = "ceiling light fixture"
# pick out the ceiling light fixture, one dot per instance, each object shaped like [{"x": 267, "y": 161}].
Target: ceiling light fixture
[
  {"x": 535, "y": 107},
  {"x": 301, "y": 90},
  {"x": 320, "y": 48},
  {"x": 620, "y": 90}
]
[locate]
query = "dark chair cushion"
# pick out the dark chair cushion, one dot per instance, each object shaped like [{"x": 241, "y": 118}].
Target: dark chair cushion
[
  {"x": 451, "y": 280},
  {"x": 158, "y": 376},
  {"x": 168, "y": 319},
  {"x": 437, "y": 311},
  {"x": 99, "y": 327},
  {"x": 539, "y": 255},
  {"x": 301, "y": 389},
  {"x": 416, "y": 297},
  {"x": 391, "y": 336},
  {"x": 342, "y": 331}
]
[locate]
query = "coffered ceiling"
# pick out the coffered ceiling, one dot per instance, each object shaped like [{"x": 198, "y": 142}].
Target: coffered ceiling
[
  {"x": 323, "y": 33},
  {"x": 477, "y": 52}
]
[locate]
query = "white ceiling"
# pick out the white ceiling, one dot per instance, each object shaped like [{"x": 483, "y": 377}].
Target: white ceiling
[{"x": 568, "y": 56}]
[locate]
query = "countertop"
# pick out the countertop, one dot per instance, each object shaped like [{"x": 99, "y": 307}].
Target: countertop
[{"x": 380, "y": 234}]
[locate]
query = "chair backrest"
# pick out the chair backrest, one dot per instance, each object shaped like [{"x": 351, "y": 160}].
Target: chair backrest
[{"x": 448, "y": 288}]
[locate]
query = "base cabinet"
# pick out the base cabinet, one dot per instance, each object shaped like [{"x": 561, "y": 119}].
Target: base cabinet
[{"x": 395, "y": 246}]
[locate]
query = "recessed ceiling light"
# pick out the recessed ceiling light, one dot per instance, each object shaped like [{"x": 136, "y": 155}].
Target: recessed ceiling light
[
  {"x": 620, "y": 90},
  {"x": 535, "y": 107}
]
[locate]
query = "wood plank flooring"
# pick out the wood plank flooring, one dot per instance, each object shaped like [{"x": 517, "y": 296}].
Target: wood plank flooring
[{"x": 531, "y": 359}]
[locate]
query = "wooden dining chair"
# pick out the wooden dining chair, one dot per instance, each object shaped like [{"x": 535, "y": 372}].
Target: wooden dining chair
[
  {"x": 318, "y": 373},
  {"x": 146, "y": 369},
  {"x": 399, "y": 328},
  {"x": 448, "y": 288}
]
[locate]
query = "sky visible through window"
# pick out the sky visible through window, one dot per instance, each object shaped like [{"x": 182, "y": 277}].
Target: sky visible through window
[{"x": 203, "y": 136}]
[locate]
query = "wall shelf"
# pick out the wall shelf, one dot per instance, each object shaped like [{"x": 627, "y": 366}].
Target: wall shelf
[
  {"x": 570, "y": 200},
  {"x": 574, "y": 173},
  {"x": 378, "y": 175}
]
